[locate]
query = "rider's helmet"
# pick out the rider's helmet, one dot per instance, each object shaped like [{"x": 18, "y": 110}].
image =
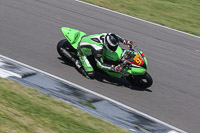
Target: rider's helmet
[{"x": 111, "y": 42}]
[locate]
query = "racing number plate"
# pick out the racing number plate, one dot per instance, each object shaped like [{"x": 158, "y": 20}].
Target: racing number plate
[{"x": 138, "y": 60}]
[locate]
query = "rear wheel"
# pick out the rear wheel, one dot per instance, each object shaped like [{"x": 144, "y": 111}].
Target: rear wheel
[
  {"x": 62, "y": 44},
  {"x": 143, "y": 81},
  {"x": 67, "y": 46}
]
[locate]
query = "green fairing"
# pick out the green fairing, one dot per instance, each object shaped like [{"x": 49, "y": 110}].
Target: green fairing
[
  {"x": 137, "y": 71},
  {"x": 72, "y": 35},
  {"x": 145, "y": 59},
  {"x": 115, "y": 56},
  {"x": 113, "y": 74}
]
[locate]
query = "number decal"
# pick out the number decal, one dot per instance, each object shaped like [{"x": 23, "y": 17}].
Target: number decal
[
  {"x": 99, "y": 39},
  {"x": 138, "y": 60},
  {"x": 102, "y": 39}
]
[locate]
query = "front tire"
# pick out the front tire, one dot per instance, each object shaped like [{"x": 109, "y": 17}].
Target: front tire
[{"x": 143, "y": 81}]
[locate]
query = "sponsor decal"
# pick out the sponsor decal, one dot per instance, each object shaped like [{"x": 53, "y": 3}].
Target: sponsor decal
[{"x": 137, "y": 60}]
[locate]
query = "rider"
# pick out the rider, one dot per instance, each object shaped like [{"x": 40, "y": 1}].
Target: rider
[{"x": 95, "y": 45}]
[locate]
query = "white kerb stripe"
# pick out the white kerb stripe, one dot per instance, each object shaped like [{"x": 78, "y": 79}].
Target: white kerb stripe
[
  {"x": 172, "y": 131},
  {"x": 5, "y": 74}
]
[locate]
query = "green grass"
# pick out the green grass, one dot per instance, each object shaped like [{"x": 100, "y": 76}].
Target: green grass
[
  {"x": 25, "y": 110},
  {"x": 183, "y": 15}
]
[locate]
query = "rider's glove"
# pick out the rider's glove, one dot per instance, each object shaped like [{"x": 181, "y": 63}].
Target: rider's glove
[
  {"x": 115, "y": 68},
  {"x": 128, "y": 42}
]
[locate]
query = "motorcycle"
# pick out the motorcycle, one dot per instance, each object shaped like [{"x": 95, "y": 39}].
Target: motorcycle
[{"x": 134, "y": 64}]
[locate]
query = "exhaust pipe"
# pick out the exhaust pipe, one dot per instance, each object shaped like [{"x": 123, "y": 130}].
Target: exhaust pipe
[{"x": 68, "y": 55}]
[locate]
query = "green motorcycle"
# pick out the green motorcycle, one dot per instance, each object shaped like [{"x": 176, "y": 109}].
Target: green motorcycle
[{"x": 134, "y": 63}]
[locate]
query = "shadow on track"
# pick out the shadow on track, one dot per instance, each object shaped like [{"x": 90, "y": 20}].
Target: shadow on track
[
  {"x": 66, "y": 62},
  {"x": 117, "y": 81}
]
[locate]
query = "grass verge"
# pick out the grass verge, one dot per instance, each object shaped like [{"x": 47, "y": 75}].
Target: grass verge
[
  {"x": 25, "y": 110},
  {"x": 182, "y": 15}
]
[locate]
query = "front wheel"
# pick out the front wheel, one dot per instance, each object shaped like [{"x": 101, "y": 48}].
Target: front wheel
[{"x": 143, "y": 81}]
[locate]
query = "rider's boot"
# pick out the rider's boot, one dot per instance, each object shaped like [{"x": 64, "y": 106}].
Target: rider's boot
[
  {"x": 90, "y": 75},
  {"x": 78, "y": 64},
  {"x": 87, "y": 74}
]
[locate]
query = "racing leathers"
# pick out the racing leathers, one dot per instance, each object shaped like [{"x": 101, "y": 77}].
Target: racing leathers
[{"x": 95, "y": 45}]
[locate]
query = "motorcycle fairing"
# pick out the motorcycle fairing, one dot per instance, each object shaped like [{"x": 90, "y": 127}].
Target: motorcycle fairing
[
  {"x": 145, "y": 59},
  {"x": 73, "y": 36}
]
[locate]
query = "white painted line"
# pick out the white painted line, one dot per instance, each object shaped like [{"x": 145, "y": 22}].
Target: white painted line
[
  {"x": 133, "y": 130},
  {"x": 172, "y": 132},
  {"x": 94, "y": 93},
  {"x": 5, "y": 74},
  {"x": 138, "y": 19}
]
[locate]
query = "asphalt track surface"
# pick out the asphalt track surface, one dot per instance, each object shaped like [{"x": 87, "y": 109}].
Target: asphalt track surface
[{"x": 30, "y": 30}]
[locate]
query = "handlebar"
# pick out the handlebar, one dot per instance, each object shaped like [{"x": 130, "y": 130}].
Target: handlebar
[
  {"x": 130, "y": 46},
  {"x": 127, "y": 54}
]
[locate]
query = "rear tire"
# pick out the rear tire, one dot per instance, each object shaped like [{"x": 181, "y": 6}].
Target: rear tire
[
  {"x": 62, "y": 44},
  {"x": 143, "y": 81},
  {"x": 67, "y": 46}
]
